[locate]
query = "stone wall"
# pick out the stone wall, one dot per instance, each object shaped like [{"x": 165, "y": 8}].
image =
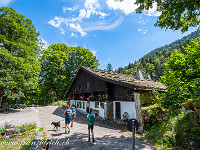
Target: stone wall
[
  {"x": 138, "y": 110},
  {"x": 110, "y": 110}
]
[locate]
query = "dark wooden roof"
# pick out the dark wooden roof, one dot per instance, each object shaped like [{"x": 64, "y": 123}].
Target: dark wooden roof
[
  {"x": 125, "y": 80},
  {"x": 122, "y": 80}
]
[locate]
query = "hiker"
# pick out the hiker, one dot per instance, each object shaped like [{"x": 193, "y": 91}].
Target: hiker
[
  {"x": 73, "y": 115},
  {"x": 67, "y": 114},
  {"x": 90, "y": 119}
]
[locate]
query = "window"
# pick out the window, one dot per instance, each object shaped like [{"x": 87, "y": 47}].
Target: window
[
  {"x": 88, "y": 85},
  {"x": 79, "y": 104},
  {"x": 96, "y": 104},
  {"x": 74, "y": 88},
  {"x": 102, "y": 105},
  {"x": 80, "y": 87},
  {"x": 83, "y": 105}
]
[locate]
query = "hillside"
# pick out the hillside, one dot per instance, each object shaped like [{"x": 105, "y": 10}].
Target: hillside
[{"x": 154, "y": 62}]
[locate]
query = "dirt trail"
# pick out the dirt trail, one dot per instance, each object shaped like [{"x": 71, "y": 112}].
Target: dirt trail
[{"x": 105, "y": 137}]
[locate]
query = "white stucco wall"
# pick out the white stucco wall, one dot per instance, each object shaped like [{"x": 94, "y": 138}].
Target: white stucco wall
[
  {"x": 74, "y": 102},
  {"x": 92, "y": 105},
  {"x": 101, "y": 110},
  {"x": 128, "y": 107}
]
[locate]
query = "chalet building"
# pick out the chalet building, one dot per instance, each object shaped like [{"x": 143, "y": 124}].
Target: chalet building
[{"x": 111, "y": 94}]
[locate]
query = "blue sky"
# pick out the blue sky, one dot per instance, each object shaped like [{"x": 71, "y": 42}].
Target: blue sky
[{"x": 111, "y": 30}]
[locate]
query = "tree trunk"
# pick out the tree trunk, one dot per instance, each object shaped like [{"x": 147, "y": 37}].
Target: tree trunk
[
  {"x": 57, "y": 94},
  {"x": 1, "y": 99}
]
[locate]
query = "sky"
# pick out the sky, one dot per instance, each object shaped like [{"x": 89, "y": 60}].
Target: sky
[{"x": 110, "y": 29}]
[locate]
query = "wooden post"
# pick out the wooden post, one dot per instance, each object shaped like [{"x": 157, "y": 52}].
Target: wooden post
[{"x": 133, "y": 134}]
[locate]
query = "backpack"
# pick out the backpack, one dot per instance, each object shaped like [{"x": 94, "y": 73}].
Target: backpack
[
  {"x": 68, "y": 113},
  {"x": 73, "y": 112},
  {"x": 91, "y": 119}
]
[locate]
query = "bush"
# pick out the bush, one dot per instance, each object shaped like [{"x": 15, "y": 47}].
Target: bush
[{"x": 154, "y": 114}]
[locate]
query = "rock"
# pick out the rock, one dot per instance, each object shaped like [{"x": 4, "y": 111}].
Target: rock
[
  {"x": 10, "y": 126},
  {"x": 10, "y": 131}
]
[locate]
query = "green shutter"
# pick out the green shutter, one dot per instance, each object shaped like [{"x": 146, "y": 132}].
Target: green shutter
[
  {"x": 77, "y": 104},
  {"x": 83, "y": 105},
  {"x": 103, "y": 105},
  {"x": 95, "y": 104}
]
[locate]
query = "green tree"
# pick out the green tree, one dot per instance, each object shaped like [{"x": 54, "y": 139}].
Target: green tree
[
  {"x": 109, "y": 67},
  {"x": 19, "y": 48},
  {"x": 175, "y": 14},
  {"x": 182, "y": 76},
  {"x": 59, "y": 64}
]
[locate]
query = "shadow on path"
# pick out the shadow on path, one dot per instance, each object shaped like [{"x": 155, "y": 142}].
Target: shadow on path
[{"x": 79, "y": 141}]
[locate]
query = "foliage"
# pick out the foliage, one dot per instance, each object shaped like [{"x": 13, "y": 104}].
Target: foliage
[
  {"x": 19, "y": 49},
  {"x": 109, "y": 67},
  {"x": 154, "y": 114},
  {"x": 175, "y": 14},
  {"x": 154, "y": 62},
  {"x": 22, "y": 142},
  {"x": 187, "y": 132},
  {"x": 182, "y": 76},
  {"x": 60, "y": 103},
  {"x": 59, "y": 64}
]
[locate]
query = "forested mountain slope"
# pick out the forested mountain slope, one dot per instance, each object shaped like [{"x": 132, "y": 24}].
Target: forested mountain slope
[{"x": 154, "y": 62}]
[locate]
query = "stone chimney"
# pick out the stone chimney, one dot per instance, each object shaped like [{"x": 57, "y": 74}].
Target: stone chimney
[
  {"x": 139, "y": 75},
  {"x": 148, "y": 77}
]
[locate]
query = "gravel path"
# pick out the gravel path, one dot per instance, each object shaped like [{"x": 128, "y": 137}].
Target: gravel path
[{"x": 105, "y": 137}]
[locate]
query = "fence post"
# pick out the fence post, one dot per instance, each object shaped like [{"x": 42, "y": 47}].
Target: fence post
[{"x": 133, "y": 134}]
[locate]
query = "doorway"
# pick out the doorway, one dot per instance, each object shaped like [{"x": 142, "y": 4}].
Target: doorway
[{"x": 118, "y": 110}]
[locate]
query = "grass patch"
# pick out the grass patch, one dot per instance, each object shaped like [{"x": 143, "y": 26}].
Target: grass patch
[
  {"x": 22, "y": 142},
  {"x": 60, "y": 103}
]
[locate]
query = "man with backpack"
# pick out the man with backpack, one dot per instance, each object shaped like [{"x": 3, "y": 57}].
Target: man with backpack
[
  {"x": 90, "y": 119},
  {"x": 73, "y": 115},
  {"x": 67, "y": 114}
]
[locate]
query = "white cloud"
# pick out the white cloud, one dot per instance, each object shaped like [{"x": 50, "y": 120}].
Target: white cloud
[
  {"x": 77, "y": 28},
  {"x": 76, "y": 24},
  {"x": 62, "y": 31},
  {"x": 129, "y": 6},
  {"x": 152, "y": 11},
  {"x": 143, "y": 31},
  {"x": 56, "y": 22},
  {"x": 94, "y": 52},
  {"x": 73, "y": 35},
  {"x": 104, "y": 25},
  {"x": 69, "y": 9},
  {"x": 5, "y": 2}
]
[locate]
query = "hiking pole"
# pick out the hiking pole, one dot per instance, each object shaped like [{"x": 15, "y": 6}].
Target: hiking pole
[{"x": 133, "y": 134}]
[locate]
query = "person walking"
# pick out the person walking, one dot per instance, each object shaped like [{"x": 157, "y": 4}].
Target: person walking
[
  {"x": 67, "y": 114},
  {"x": 73, "y": 115},
  {"x": 91, "y": 119}
]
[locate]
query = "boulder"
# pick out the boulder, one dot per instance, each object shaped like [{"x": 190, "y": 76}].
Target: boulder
[{"x": 10, "y": 131}]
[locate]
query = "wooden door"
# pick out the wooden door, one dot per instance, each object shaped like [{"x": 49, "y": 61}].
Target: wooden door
[{"x": 118, "y": 110}]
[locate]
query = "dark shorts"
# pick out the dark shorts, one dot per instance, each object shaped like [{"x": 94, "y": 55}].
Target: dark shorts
[
  {"x": 67, "y": 120},
  {"x": 90, "y": 127}
]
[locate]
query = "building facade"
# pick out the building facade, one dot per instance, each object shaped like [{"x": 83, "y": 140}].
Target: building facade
[{"x": 111, "y": 95}]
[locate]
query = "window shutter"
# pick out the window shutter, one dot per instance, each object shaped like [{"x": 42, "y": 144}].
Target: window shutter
[
  {"x": 80, "y": 104},
  {"x": 83, "y": 105},
  {"x": 103, "y": 105},
  {"x": 95, "y": 104},
  {"x": 77, "y": 104}
]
